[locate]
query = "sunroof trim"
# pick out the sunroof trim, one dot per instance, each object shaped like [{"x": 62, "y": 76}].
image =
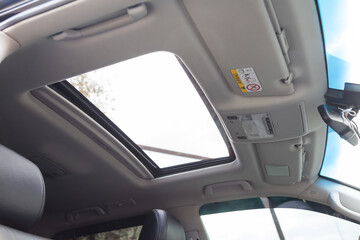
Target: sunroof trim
[
  {"x": 152, "y": 100},
  {"x": 15, "y": 6},
  {"x": 69, "y": 92},
  {"x": 66, "y": 90},
  {"x": 92, "y": 129},
  {"x": 209, "y": 108},
  {"x": 181, "y": 146},
  {"x": 30, "y": 12}
]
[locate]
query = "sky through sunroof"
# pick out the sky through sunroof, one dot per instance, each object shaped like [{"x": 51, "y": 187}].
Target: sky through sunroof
[{"x": 152, "y": 100}]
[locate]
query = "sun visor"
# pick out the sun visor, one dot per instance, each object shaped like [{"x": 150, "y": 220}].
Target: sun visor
[
  {"x": 282, "y": 162},
  {"x": 248, "y": 44}
]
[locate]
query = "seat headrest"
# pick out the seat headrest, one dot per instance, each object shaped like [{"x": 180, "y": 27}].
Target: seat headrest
[
  {"x": 160, "y": 225},
  {"x": 22, "y": 190}
]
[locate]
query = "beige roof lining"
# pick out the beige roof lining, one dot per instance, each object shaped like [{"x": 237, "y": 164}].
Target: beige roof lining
[{"x": 43, "y": 61}]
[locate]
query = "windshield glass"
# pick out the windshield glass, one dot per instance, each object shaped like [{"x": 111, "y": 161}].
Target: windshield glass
[
  {"x": 340, "y": 22},
  {"x": 153, "y": 101},
  {"x": 275, "y": 219}
]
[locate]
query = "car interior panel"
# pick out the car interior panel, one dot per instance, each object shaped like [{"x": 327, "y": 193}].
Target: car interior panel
[{"x": 178, "y": 119}]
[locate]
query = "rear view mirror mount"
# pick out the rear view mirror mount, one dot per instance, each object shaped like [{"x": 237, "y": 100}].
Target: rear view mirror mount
[
  {"x": 338, "y": 120},
  {"x": 340, "y": 109}
]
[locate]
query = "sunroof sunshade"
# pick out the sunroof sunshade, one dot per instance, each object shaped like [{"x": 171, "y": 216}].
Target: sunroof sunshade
[
  {"x": 151, "y": 99},
  {"x": 340, "y": 20}
]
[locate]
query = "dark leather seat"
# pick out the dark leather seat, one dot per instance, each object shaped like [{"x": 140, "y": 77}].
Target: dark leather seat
[
  {"x": 160, "y": 225},
  {"x": 22, "y": 199},
  {"x": 22, "y": 195}
]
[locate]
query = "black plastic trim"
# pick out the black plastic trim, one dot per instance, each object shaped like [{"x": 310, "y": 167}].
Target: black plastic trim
[
  {"x": 340, "y": 182},
  {"x": 327, "y": 74}
]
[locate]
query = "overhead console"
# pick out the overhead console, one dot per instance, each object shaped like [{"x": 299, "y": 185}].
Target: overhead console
[
  {"x": 282, "y": 162},
  {"x": 248, "y": 44},
  {"x": 276, "y": 134},
  {"x": 283, "y": 122}
]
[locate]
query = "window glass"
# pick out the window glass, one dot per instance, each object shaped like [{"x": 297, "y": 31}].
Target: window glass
[
  {"x": 151, "y": 99},
  {"x": 245, "y": 224},
  {"x": 341, "y": 160},
  {"x": 131, "y": 233},
  {"x": 304, "y": 224},
  {"x": 340, "y": 20},
  {"x": 279, "y": 222}
]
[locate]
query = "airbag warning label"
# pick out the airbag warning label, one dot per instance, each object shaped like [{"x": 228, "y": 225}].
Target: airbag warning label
[{"x": 246, "y": 79}]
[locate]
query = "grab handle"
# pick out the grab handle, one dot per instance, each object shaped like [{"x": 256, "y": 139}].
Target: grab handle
[
  {"x": 335, "y": 203},
  {"x": 133, "y": 14}
]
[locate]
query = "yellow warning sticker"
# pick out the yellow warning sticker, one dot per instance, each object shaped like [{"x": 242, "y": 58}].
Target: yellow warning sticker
[
  {"x": 247, "y": 80},
  {"x": 238, "y": 80}
]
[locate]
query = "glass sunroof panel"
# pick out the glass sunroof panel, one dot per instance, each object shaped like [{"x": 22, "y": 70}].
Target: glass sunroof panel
[
  {"x": 340, "y": 20},
  {"x": 151, "y": 99}
]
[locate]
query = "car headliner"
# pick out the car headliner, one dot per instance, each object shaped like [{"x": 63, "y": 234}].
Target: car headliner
[{"x": 211, "y": 37}]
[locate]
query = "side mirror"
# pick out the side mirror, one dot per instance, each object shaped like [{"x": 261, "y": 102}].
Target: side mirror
[{"x": 340, "y": 123}]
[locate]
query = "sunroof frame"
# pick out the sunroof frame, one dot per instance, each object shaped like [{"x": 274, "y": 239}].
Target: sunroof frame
[
  {"x": 15, "y": 13},
  {"x": 65, "y": 89}
]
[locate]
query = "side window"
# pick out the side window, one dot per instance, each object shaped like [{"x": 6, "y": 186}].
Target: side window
[
  {"x": 275, "y": 218},
  {"x": 131, "y": 233}
]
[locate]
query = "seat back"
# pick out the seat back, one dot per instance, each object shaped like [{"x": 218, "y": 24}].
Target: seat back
[
  {"x": 160, "y": 225},
  {"x": 22, "y": 195}
]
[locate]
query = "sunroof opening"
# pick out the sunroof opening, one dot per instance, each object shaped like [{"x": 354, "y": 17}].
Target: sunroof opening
[
  {"x": 153, "y": 101},
  {"x": 340, "y": 20}
]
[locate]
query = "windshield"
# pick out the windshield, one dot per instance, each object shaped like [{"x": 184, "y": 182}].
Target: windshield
[
  {"x": 276, "y": 218},
  {"x": 340, "y": 22}
]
